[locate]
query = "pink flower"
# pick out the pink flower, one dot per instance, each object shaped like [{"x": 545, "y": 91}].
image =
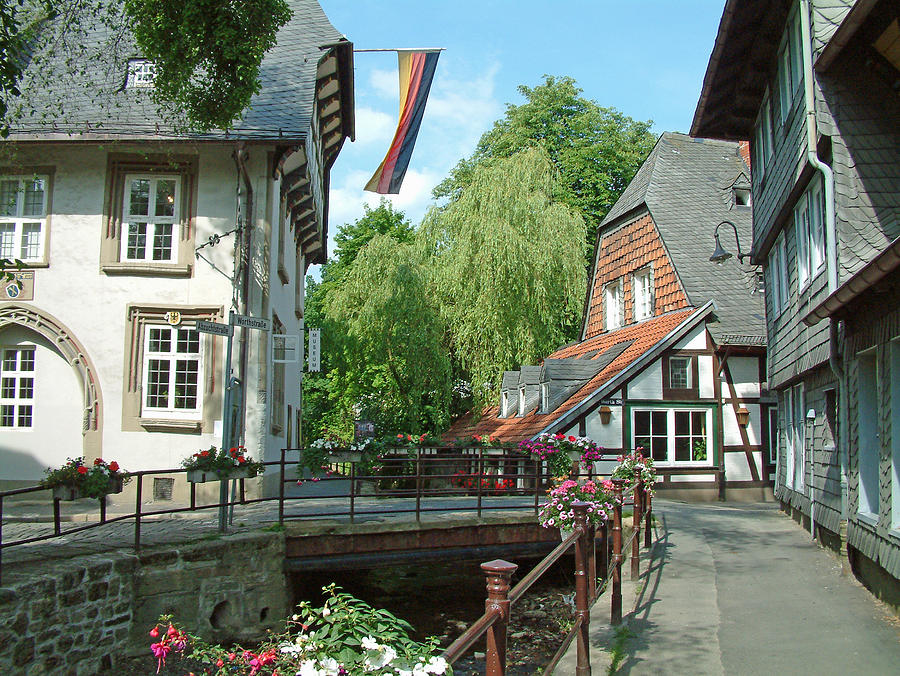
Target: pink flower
[{"x": 154, "y": 632}]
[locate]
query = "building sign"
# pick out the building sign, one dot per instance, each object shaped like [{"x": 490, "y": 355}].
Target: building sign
[
  {"x": 610, "y": 402},
  {"x": 173, "y": 317},
  {"x": 315, "y": 350},
  {"x": 21, "y": 288}
]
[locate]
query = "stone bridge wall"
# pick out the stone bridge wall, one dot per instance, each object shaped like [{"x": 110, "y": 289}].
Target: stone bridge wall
[{"x": 84, "y": 618}]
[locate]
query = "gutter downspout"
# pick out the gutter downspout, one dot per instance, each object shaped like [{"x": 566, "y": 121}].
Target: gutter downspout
[
  {"x": 831, "y": 256},
  {"x": 246, "y": 237}
]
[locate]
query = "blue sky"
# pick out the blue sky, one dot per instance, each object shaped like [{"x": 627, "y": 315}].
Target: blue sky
[{"x": 646, "y": 58}]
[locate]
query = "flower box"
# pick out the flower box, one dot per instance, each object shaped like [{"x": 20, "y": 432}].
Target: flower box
[
  {"x": 69, "y": 492},
  {"x": 344, "y": 456},
  {"x": 201, "y": 476}
]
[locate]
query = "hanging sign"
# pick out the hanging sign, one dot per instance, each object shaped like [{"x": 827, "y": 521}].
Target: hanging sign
[
  {"x": 315, "y": 350},
  {"x": 214, "y": 328}
]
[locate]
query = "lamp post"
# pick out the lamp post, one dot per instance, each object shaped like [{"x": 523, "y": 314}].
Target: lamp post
[{"x": 720, "y": 255}]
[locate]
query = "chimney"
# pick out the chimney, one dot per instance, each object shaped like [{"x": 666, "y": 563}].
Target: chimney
[{"x": 744, "y": 149}]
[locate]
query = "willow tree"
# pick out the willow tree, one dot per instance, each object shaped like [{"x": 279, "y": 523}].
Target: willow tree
[
  {"x": 508, "y": 267},
  {"x": 391, "y": 364}
]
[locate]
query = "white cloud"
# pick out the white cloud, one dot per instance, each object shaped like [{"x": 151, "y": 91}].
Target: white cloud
[
  {"x": 386, "y": 83},
  {"x": 467, "y": 106},
  {"x": 374, "y": 126}
]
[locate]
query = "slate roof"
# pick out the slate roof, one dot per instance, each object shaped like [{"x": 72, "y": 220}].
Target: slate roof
[
  {"x": 686, "y": 184},
  {"x": 96, "y": 105},
  {"x": 639, "y": 339}
]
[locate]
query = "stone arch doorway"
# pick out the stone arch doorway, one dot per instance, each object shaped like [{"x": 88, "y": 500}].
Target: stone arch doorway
[{"x": 68, "y": 375}]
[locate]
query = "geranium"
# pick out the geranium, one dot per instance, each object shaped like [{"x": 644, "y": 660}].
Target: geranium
[
  {"x": 345, "y": 636},
  {"x": 94, "y": 481},
  {"x": 222, "y": 461},
  {"x": 632, "y": 464},
  {"x": 489, "y": 484},
  {"x": 555, "y": 449},
  {"x": 558, "y": 511}
]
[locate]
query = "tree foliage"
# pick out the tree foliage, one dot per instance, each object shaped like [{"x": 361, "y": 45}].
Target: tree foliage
[
  {"x": 507, "y": 267},
  {"x": 595, "y": 150},
  {"x": 391, "y": 361},
  {"x": 207, "y": 52}
]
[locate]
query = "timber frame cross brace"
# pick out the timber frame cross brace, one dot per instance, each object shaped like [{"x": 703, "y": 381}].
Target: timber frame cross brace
[{"x": 735, "y": 405}]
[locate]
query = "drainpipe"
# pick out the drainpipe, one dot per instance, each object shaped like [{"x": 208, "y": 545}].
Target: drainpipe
[
  {"x": 240, "y": 156},
  {"x": 831, "y": 254}
]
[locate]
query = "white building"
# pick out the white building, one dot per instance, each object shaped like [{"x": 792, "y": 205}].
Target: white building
[{"x": 132, "y": 230}]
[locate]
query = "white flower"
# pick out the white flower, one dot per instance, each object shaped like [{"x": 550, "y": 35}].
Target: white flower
[
  {"x": 290, "y": 649},
  {"x": 369, "y": 643},
  {"x": 330, "y": 666},
  {"x": 309, "y": 668},
  {"x": 326, "y": 611},
  {"x": 436, "y": 665}
]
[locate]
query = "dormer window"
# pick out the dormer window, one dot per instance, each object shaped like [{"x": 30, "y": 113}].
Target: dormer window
[
  {"x": 643, "y": 294},
  {"x": 504, "y": 404},
  {"x": 522, "y": 400},
  {"x": 545, "y": 397},
  {"x": 140, "y": 74},
  {"x": 613, "y": 301},
  {"x": 741, "y": 197}
]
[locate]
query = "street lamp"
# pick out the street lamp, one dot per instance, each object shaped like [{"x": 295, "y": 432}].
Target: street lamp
[{"x": 720, "y": 255}]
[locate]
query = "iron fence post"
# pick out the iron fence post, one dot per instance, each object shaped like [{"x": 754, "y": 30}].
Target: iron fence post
[
  {"x": 498, "y": 574},
  {"x": 582, "y": 602},
  {"x": 56, "y": 527},
  {"x": 418, "y": 484},
  {"x": 616, "y": 595},
  {"x": 281, "y": 489},
  {"x": 479, "y": 477},
  {"x": 137, "y": 511},
  {"x": 648, "y": 496}
]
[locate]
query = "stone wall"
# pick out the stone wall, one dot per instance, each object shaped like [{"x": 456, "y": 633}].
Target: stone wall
[{"x": 84, "y": 618}]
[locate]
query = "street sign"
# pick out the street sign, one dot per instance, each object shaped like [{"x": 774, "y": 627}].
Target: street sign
[
  {"x": 315, "y": 350},
  {"x": 252, "y": 322},
  {"x": 213, "y": 327}
]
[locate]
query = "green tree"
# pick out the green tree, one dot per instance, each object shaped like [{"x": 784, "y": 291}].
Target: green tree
[
  {"x": 595, "y": 150},
  {"x": 507, "y": 267},
  {"x": 353, "y": 237},
  {"x": 391, "y": 363},
  {"x": 207, "y": 53}
]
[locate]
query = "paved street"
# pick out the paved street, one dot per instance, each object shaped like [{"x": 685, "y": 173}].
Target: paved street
[{"x": 741, "y": 590}]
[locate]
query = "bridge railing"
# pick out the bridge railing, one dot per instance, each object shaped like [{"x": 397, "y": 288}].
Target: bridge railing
[
  {"x": 493, "y": 624},
  {"x": 475, "y": 479}
]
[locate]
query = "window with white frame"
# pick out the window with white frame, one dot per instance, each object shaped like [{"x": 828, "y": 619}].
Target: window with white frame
[
  {"x": 674, "y": 436},
  {"x": 150, "y": 217},
  {"x": 140, "y": 73},
  {"x": 23, "y": 215},
  {"x": 504, "y": 404},
  {"x": 522, "y": 400},
  {"x": 545, "y": 397},
  {"x": 790, "y": 67},
  {"x": 869, "y": 438},
  {"x": 763, "y": 143},
  {"x": 17, "y": 387},
  {"x": 795, "y": 437},
  {"x": 809, "y": 229},
  {"x": 778, "y": 275},
  {"x": 171, "y": 372},
  {"x": 642, "y": 284},
  {"x": 613, "y": 299},
  {"x": 277, "y": 384}
]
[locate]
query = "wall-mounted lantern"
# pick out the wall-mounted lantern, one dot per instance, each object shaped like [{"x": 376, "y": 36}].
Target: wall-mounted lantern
[
  {"x": 743, "y": 417},
  {"x": 605, "y": 414},
  {"x": 720, "y": 255}
]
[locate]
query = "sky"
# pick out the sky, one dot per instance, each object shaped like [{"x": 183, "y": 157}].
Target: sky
[{"x": 645, "y": 58}]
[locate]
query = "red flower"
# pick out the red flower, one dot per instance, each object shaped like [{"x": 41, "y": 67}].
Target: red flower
[
  {"x": 220, "y": 663},
  {"x": 203, "y": 454},
  {"x": 82, "y": 469},
  {"x": 241, "y": 459},
  {"x": 571, "y": 438},
  {"x": 98, "y": 461},
  {"x": 154, "y": 632},
  {"x": 114, "y": 466}
]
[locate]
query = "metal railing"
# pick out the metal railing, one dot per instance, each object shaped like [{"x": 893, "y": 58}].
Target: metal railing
[
  {"x": 494, "y": 622},
  {"x": 431, "y": 480}
]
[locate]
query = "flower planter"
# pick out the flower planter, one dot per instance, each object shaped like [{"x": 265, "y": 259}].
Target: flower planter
[
  {"x": 344, "y": 456},
  {"x": 68, "y": 492},
  {"x": 202, "y": 476}
]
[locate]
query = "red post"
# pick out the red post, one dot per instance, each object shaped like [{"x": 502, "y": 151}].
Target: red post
[
  {"x": 616, "y": 595},
  {"x": 498, "y": 574},
  {"x": 636, "y": 524},
  {"x": 582, "y": 602},
  {"x": 648, "y": 495}
]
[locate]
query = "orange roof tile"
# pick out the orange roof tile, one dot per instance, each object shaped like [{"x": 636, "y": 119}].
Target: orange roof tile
[{"x": 645, "y": 335}]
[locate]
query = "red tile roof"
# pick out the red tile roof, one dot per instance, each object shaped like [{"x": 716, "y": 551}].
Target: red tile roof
[{"x": 645, "y": 335}]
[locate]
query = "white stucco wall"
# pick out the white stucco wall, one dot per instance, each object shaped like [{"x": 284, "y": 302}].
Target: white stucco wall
[
  {"x": 732, "y": 430},
  {"x": 745, "y": 375},
  {"x": 736, "y": 468},
  {"x": 707, "y": 387},
  {"x": 695, "y": 340},
  {"x": 609, "y": 435},
  {"x": 91, "y": 305},
  {"x": 648, "y": 383}
]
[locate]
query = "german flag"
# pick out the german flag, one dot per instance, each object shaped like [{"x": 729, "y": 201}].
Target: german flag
[{"x": 416, "y": 73}]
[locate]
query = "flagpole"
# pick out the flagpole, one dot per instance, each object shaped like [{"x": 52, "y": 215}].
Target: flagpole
[{"x": 403, "y": 49}]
